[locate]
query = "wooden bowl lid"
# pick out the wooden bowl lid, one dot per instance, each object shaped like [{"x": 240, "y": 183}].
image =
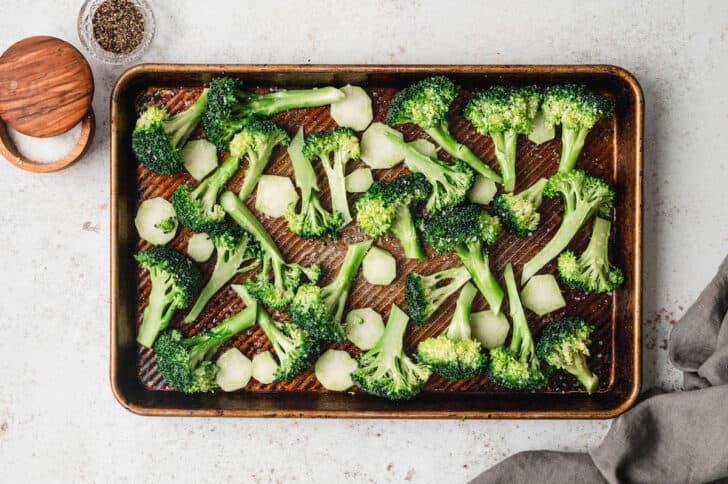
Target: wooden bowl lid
[{"x": 46, "y": 86}]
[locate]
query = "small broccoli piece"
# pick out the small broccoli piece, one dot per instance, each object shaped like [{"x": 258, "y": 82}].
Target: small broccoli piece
[
  {"x": 592, "y": 271},
  {"x": 319, "y": 310},
  {"x": 504, "y": 112},
  {"x": 425, "y": 294},
  {"x": 229, "y": 106},
  {"x": 386, "y": 207},
  {"x": 426, "y": 104},
  {"x": 467, "y": 230},
  {"x": 258, "y": 138},
  {"x": 386, "y": 370},
  {"x": 564, "y": 346},
  {"x": 158, "y": 137},
  {"x": 577, "y": 109},
  {"x": 287, "y": 277},
  {"x": 175, "y": 282},
  {"x": 334, "y": 149},
  {"x": 197, "y": 208},
  {"x": 295, "y": 349},
  {"x": 186, "y": 363},
  {"x": 167, "y": 225},
  {"x": 313, "y": 221},
  {"x": 516, "y": 366},
  {"x": 455, "y": 354},
  {"x": 584, "y": 196},
  {"x": 234, "y": 246},
  {"x": 518, "y": 212},
  {"x": 450, "y": 182}
]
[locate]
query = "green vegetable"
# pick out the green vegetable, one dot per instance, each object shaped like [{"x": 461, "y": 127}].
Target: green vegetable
[
  {"x": 200, "y": 158},
  {"x": 377, "y": 151},
  {"x": 516, "y": 366},
  {"x": 275, "y": 195},
  {"x": 156, "y": 221},
  {"x": 364, "y": 327},
  {"x": 334, "y": 149},
  {"x": 489, "y": 328},
  {"x": 158, "y": 137},
  {"x": 577, "y": 109},
  {"x": 258, "y": 138},
  {"x": 234, "y": 248},
  {"x": 379, "y": 267},
  {"x": 426, "y": 104},
  {"x": 175, "y": 283},
  {"x": 504, "y": 112},
  {"x": 386, "y": 207},
  {"x": 230, "y": 107},
  {"x": 333, "y": 369},
  {"x": 425, "y": 294},
  {"x": 313, "y": 221},
  {"x": 450, "y": 181},
  {"x": 425, "y": 147},
  {"x": 584, "y": 196},
  {"x": 200, "y": 247},
  {"x": 264, "y": 367},
  {"x": 455, "y": 354},
  {"x": 385, "y": 370},
  {"x": 592, "y": 271},
  {"x": 542, "y": 294},
  {"x": 286, "y": 277},
  {"x": 540, "y": 132},
  {"x": 482, "y": 191},
  {"x": 564, "y": 345},
  {"x": 519, "y": 211},
  {"x": 467, "y": 230},
  {"x": 355, "y": 110},
  {"x": 186, "y": 363},
  {"x": 359, "y": 180},
  {"x": 234, "y": 370},
  {"x": 319, "y": 310}
]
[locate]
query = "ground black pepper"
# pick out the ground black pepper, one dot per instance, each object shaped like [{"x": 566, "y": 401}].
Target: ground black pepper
[{"x": 118, "y": 26}]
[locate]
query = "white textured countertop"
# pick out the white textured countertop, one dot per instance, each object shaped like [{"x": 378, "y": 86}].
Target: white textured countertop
[{"x": 58, "y": 419}]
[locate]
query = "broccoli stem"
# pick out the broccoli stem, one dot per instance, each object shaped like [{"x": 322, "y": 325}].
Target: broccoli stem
[
  {"x": 211, "y": 186},
  {"x": 459, "y": 328},
  {"x": 337, "y": 185},
  {"x": 570, "y": 225},
  {"x": 598, "y": 248},
  {"x": 240, "y": 212},
  {"x": 403, "y": 227},
  {"x": 534, "y": 193},
  {"x": 572, "y": 142},
  {"x": 582, "y": 373},
  {"x": 441, "y": 135},
  {"x": 390, "y": 344},
  {"x": 158, "y": 313},
  {"x": 267, "y": 105},
  {"x": 180, "y": 126},
  {"x": 506, "y": 144},
  {"x": 337, "y": 292},
  {"x": 476, "y": 261},
  {"x": 256, "y": 165},
  {"x": 235, "y": 324},
  {"x": 522, "y": 339}
]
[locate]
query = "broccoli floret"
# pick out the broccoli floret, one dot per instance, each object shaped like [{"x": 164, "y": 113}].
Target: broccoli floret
[
  {"x": 425, "y": 294},
  {"x": 450, "y": 181},
  {"x": 584, "y": 196},
  {"x": 158, "y": 137},
  {"x": 186, "y": 363},
  {"x": 295, "y": 348},
  {"x": 426, "y": 104},
  {"x": 564, "y": 346},
  {"x": 455, "y": 354},
  {"x": 175, "y": 283},
  {"x": 386, "y": 370},
  {"x": 279, "y": 291},
  {"x": 592, "y": 271},
  {"x": 516, "y": 366},
  {"x": 386, "y": 207},
  {"x": 518, "y": 212},
  {"x": 334, "y": 149},
  {"x": 577, "y": 109},
  {"x": 313, "y": 221},
  {"x": 197, "y": 208},
  {"x": 504, "y": 112},
  {"x": 167, "y": 225},
  {"x": 319, "y": 310},
  {"x": 258, "y": 138},
  {"x": 467, "y": 230},
  {"x": 234, "y": 246},
  {"x": 229, "y": 106}
]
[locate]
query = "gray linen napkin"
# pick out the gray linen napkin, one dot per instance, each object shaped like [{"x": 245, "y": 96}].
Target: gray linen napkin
[{"x": 679, "y": 437}]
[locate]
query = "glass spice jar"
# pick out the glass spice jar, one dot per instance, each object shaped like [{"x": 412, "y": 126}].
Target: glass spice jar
[{"x": 115, "y": 31}]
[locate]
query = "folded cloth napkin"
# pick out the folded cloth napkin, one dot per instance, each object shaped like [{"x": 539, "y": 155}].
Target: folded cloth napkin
[{"x": 679, "y": 437}]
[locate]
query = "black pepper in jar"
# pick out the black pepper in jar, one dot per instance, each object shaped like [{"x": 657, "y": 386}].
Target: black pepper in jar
[{"x": 118, "y": 26}]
